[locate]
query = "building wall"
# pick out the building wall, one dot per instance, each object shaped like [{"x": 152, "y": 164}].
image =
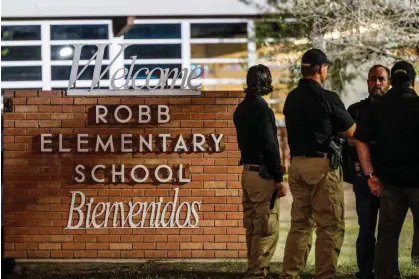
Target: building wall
[
  {"x": 37, "y": 185},
  {"x": 103, "y": 8}
]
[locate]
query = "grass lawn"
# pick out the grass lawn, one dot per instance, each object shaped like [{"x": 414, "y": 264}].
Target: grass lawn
[{"x": 224, "y": 269}]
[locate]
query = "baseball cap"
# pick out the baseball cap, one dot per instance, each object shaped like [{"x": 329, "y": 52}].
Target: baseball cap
[
  {"x": 314, "y": 57},
  {"x": 403, "y": 68}
]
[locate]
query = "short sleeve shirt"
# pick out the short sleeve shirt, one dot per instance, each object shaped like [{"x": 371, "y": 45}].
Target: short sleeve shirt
[{"x": 312, "y": 116}]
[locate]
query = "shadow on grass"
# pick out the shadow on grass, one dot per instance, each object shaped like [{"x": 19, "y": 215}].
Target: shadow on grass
[{"x": 152, "y": 270}]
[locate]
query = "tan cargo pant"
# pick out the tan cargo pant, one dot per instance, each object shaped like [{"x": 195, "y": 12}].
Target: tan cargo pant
[
  {"x": 318, "y": 201},
  {"x": 261, "y": 223}
]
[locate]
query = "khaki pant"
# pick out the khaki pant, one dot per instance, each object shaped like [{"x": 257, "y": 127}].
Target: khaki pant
[
  {"x": 261, "y": 223},
  {"x": 318, "y": 201}
]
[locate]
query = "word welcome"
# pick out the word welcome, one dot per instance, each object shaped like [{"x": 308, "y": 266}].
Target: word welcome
[
  {"x": 131, "y": 214},
  {"x": 128, "y": 77}
]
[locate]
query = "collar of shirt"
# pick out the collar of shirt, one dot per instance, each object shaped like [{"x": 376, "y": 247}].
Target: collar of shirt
[
  {"x": 309, "y": 82},
  {"x": 254, "y": 97},
  {"x": 404, "y": 89}
]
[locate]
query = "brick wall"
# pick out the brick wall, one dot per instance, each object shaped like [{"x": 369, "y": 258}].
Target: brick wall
[{"x": 37, "y": 188}]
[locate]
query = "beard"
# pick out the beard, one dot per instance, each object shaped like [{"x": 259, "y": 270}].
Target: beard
[{"x": 377, "y": 92}]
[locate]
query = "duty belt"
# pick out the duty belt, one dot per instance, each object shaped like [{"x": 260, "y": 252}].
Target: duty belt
[
  {"x": 311, "y": 155},
  {"x": 251, "y": 167}
]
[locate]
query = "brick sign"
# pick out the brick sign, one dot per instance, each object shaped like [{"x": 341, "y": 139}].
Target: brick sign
[{"x": 123, "y": 177}]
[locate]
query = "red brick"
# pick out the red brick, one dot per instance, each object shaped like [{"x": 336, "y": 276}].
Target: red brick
[
  {"x": 53, "y": 93},
  {"x": 19, "y": 101},
  {"x": 226, "y": 254},
  {"x": 38, "y": 254},
  {"x": 84, "y": 238},
  {"x": 62, "y": 101},
  {"x": 203, "y": 101},
  {"x": 179, "y": 254},
  {"x": 214, "y": 231},
  {"x": 43, "y": 108},
  {"x": 25, "y": 246},
  {"x": 202, "y": 238},
  {"x": 62, "y": 254},
  {"x": 24, "y": 109},
  {"x": 214, "y": 246},
  {"x": 97, "y": 246},
  {"x": 73, "y": 123},
  {"x": 203, "y": 254},
  {"x": 49, "y": 246},
  {"x": 191, "y": 246},
  {"x": 109, "y": 254},
  {"x": 74, "y": 109},
  {"x": 178, "y": 238},
  {"x": 8, "y": 94},
  {"x": 155, "y": 254},
  {"x": 155, "y": 238},
  {"x": 85, "y": 101},
  {"x": 38, "y": 101},
  {"x": 14, "y": 116},
  {"x": 168, "y": 246},
  {"x": 144, "y": 246},
  {"x": 192, "y": 124},
  {"x": 49, "y": 123},
  {"x": 26, "y": 93},
  {"x": 61, "y": 238},
  {"x": 74, "y": 246},
  {"x": 226, "y": 238},
  {"x": 120, "y": 246},
  {"x": 227, "y": 101},
  {"x": 85, "y": 254},
  {"x": 132, "y": 254}
]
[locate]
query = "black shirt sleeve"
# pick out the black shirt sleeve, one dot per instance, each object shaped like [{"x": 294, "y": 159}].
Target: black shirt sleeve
[
  {"x": 363, "y": 130},
  {"x": 269, "y": 144},
  {"x": 341, "y": 118}
]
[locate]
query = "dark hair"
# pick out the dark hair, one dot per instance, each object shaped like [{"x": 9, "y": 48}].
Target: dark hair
[
  {"x": 403, "y": 73},
  {"x": 309, "y": 70},
  {"x": 379, "y": 66},
  {"x": 258, "y": 80}
]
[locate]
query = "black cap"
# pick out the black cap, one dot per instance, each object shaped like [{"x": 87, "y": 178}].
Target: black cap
[
  {"x": 314, "y": 57},
  {"x": 403, "y": 68}
]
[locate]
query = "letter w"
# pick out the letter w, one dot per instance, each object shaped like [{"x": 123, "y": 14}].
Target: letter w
[{"x": 74, "y": 75}]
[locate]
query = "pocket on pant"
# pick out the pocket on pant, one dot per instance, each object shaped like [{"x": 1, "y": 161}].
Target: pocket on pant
[{"x": 271, "y": 224}]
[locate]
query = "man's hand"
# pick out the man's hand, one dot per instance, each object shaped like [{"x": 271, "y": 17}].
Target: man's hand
[
  {"x": 375, "y": 186},
  {"x": 282, "y": 188}
]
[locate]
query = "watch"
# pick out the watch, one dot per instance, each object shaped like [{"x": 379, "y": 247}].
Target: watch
[{"x": 370, "y": 175}]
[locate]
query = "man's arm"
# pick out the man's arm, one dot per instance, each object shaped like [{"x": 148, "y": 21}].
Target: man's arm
[
  {"x": 349, "y": 133},
  {"x": 270, "y": 152},
  {"x": 364, "y": 156}
]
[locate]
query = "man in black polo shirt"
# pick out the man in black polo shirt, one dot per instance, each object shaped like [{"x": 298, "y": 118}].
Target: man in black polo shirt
[
  {"x": 313, "y": 115},
  {"x": 388, "y": 148},
  {"x": 367, "y": 204},
  {"x": 262, "y": 175}
]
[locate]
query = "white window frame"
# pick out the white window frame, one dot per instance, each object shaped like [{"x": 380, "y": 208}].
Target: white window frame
[{"x": 186, "y": 43}]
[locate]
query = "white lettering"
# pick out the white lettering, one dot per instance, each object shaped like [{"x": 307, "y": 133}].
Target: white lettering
[
  {"x": 44, "y": 141},
  {"x": 162, "y": 112},
  {"x": 101, "y": 116}
]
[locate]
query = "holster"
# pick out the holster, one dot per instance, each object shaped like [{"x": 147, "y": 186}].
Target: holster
[{"x": 334, "y": 152}]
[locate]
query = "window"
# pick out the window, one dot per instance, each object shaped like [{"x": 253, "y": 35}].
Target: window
[
  {"x": 219, "y": 50},
  {"x": 79, "y": 32},
  {"x": 21, "y": 73},
  {"x": 66, "y": 52},
  {"x": 63, "y": 72},
  {"x": 21, "y": 33},
  {"x": 21, "y": 53},
  {"x": 154, "y": 51},
  {"x": 219, "y": 30},
  {"x": 222, "y": 70},
  {"x": 156, "y": 74},
  {"x": 154, "y": 31}
]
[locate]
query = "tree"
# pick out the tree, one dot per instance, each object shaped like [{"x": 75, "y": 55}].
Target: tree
[{"x": 351, "y": 32}]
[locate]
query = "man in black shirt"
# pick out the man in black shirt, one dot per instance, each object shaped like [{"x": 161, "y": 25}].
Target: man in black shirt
[
  {"x": 367, "y": 204},
  {"x": 388, "y": 148},
  {"x": 313, "y": 116},
  {"x": 262, "y": 180}
]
